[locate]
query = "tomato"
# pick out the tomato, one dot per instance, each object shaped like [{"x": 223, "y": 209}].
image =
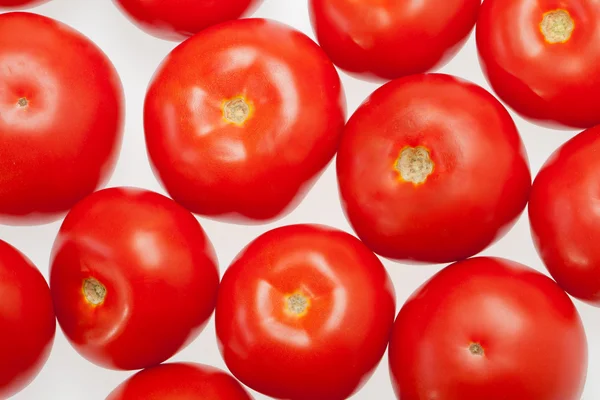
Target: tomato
[
  {"x": 61, "y": 118},
  {"x": 431, "y": 169},
  {"x": 27, "y": 320},
  {"x": 304, "y": 312},
  {"x": 564, "y": 218},
  {"x": 488, "y": 328},
  {"x": 541, "y": 58},
  {"x": 20, "y": 3},
  {"x": 242, "y": 118},
  {"x": 133, "y": 277},
  {"x": 178, "y": 19},
  {"x": 388, "y": 39},
  {"x": 180, "y": 381}
]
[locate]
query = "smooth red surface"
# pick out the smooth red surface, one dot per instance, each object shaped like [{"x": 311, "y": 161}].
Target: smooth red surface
[
  {"x": 260, "y": 170},
  {"x": 65, "y": 142},
  {"x": 159, "y": 270},
  {"x": 27, "y": 320},
  {"x": 479, "y": 185},
  {"x": 534, "y": 345},
  {"x": 564, "y": 218},
  {"x": 388, "y": 39},
  {"x": 21, "y": 3},
  {"x": 331, "y": 350},
  {"x": 180, "y": 381},
  {"x": 178, "y": 19},
  {"x": 552, "y": 84}
]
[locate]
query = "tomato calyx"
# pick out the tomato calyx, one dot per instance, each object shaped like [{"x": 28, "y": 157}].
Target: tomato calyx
[
  {"x": 237, "y": 111},
  {"x": 297, "y": 305},
  {"x": 476, "y": 349},
  {"x": 23, "y": 102},
  {"x": 557, "y": 26},
  {"x": 94, "y": 292},
  {"x": 414, "y": 164}
]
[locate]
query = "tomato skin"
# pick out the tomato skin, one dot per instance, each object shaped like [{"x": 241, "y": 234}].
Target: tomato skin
[
  {"x": 363, "y": 38},
  {"x": 564, "y": 219},
  {"x": 179, "y": 19},
  {"x": 65, "y": 141},
  {"x": 260, "y": 170},
  {"x": 27, "y": 320},
  {"x": 180, "y": 381},
  {"x": 158, "y": 269},
  {"x": 552, "y": 84},
  {"x": 21, "y": 3},
  {"x": 533, "y": 342},
  {"x": 466, "y": 202},
  {"x": 326, "y": 352}
]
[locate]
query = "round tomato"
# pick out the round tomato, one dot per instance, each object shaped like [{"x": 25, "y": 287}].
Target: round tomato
[
  {"x": 432, "y": 169},
  {"x": 389, "y": 39},
  {"x": 242, "y": 118},
  {"x": 305, "y": 312},
  {"x": 488, "y": 328},
  {"x": 27, "y": 321},
  {"x": 133, "y": 277},
  {"x": 180, "y": 381},
  {"x": 541, "y": 58},
  {"x": 179, "y": 19},
  {"x": 21, "y": 3},
  {"x": 61, "y": 117},
  {"x": 563, "y": 213}
]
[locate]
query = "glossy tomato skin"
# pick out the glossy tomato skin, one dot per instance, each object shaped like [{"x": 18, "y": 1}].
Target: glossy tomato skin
[
  {"x": 479, "y": 181},
  {"x": 180, "y": 381},
  {"x": 564, "y": 219},
  {"x": 133, "y": 277},
  {"x": 61, "y": 118},
  {"x": 21, "y": 3},
  {"x": 179, "y": 19},
  {"x": 27, "y": 320},
  {"x": 390, "y": 39},
  {"x": 552, "y": 84},
  {"x": 259, "y": 169},
  {"x": 327, "y": 348},
  {"x": 488, "y": 328}
]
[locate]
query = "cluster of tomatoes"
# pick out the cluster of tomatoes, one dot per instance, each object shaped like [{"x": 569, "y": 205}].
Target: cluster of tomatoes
[{"x": 240, "y": 120}]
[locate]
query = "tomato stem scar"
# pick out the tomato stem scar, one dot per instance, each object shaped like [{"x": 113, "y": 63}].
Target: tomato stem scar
[
  {"x": 297, "y": 304},
  {"x": 476, "y": 349},
  {"x": 414, "y": 164},
  {"x": 236, "y": 111},
  {"x": 93, "y": 291},
  {"x": 557, "y": 26},
  {"x": 23, "y": 102}
]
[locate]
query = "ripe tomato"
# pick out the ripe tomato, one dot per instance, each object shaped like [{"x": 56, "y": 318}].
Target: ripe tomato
[
  {"x": 179, "y": 19},
  {"x": 492, "y": 329},
  {"x": 21, "y": 3},
  {"x": 388, "y": 39},
  {"x": 61, "y": 117},
  {"x": 541, "y": 58},
  {"x": 242, "y": 118},
  {"x": 133, "y": 276},
  {"x": 564, "y": 218},
  {"x": 305, "y": 312},
  {"x": 432, "y": 169},
  {"x": 185, "y": 381},
  {"x": 27, "y": 320}
]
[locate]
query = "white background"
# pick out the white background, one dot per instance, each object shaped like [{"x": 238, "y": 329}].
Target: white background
[{"x": 136, "y": 54}]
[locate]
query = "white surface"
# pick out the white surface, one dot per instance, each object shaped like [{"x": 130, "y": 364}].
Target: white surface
[{"x": 135, "y": 54}]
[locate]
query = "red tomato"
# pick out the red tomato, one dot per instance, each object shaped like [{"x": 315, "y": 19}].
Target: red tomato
[
  {"x": 179, "y": 19},
  {"x": 242, "y": 118},
  {"x": 563, "y": 213},
  {"x": 305, "y": 312},
  {"x": 542, "y": 58},
  {"x": 488, "y": 328},
  {"x": 21, "y": 3},
  {"x": 180, "y": 381},
  {"x": 61, "y": 118},
  {"x": 133, "y": 276},
  {"x": 432, "y": 169},
  {"x": 27, "y": 320},
  {"x": 388, "y": 39}
]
